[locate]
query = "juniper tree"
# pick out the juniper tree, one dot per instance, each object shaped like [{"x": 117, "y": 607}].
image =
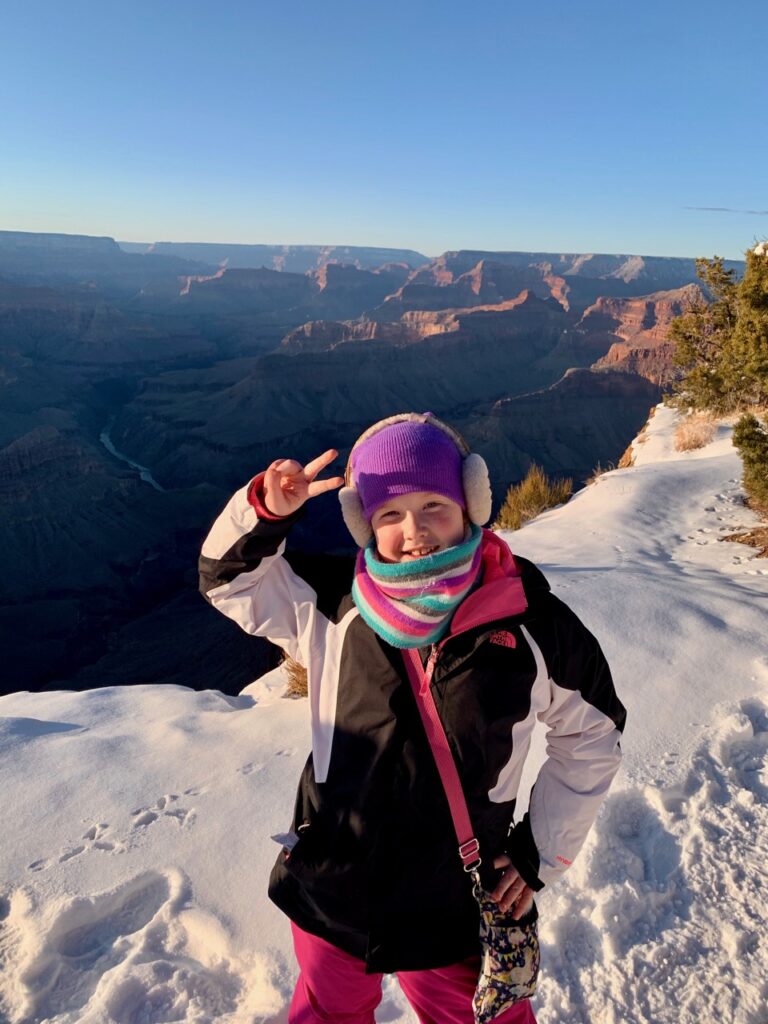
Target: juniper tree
[
  {"x": 701, "y": 337},
  {"x": 722, "y": 346},
  {"x": 750, "y": 437},
  {"x": 746, "y": 370}
]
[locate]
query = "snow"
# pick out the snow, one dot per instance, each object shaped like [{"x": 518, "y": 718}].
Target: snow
[{"x": 137, "y": 821}]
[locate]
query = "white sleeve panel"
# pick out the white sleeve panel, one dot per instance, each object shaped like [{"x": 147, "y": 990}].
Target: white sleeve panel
[
  {"x": 583, "y": 755},
  {"x": 273, "y": 602},
  {"x": 508, "y": 782},
  {"x": 323, "y": 695},
  {"x": 270, "y": 600},
  {"x": 237, "y": 518}
]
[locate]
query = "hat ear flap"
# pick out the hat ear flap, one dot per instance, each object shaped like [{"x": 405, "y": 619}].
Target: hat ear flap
[
  {"x": 477, "y": 489},
  {"x": 354, "y": 516}
]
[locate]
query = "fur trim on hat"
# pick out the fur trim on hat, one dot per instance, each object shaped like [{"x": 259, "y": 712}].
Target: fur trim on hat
[
  {"x": 474, "y": 471},
  {"x": 354, "y": 517},
  {"x": 477, "y": 489}
]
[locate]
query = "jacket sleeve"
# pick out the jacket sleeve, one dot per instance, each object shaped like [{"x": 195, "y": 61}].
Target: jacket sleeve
[
  {"x": 585, "y": 719},
  {"x": 244, "y": 576}
]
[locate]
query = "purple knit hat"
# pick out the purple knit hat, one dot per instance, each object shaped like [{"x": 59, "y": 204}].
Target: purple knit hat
[{"x": 403, "y": 458}]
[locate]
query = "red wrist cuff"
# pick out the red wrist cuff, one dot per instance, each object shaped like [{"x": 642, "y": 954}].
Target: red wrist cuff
[{"x": 257, "y": 501}]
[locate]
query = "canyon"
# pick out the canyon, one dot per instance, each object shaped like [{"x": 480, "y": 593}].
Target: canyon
[{"x": 203, "y": 362}]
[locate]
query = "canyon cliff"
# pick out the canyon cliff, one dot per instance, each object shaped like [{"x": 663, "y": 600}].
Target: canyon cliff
[
  {"x": 640, "y": 327},
  {"x": 295, "y": 259}
]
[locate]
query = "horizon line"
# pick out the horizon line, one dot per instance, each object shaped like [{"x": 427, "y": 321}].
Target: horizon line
[{"x": 347, "y": 245}]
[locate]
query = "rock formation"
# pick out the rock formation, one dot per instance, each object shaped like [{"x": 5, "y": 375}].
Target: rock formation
[
  {"x": 576, "y": 281},
  {"x": 640, "y": 329},
  {"x": 50, "y": 259},
  {"x": 524, "y": 315},
  {"x": 488, "y": 282},
  {"x": 568, "y": 428},
  {"x": 272, "y": 296},
  {"x": 295, "y": 259}
]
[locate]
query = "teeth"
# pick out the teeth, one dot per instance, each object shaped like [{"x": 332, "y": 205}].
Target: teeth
[{"x": 420, "y": 552}]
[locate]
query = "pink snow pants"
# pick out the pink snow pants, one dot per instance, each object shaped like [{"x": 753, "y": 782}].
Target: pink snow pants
[{"x": 333, "y": 988}]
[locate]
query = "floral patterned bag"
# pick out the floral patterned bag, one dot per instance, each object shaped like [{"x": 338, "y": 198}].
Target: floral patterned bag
[{"x": 510, "y": 958}]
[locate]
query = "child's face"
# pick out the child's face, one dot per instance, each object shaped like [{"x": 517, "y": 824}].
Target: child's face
[{"x": 418, "y": 524}]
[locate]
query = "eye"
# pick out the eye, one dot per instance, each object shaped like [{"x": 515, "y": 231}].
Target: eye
[{"x": 434, "y": 504}]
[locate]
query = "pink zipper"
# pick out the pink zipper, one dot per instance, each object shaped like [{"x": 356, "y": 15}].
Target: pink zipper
[{"x": 429, "y": 668}]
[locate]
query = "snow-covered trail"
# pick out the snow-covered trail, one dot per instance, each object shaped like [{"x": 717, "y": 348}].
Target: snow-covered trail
[
  {"x": 136, "y": 849},
  {"x": 662, "y": 917},
  {"x": 680, "y": 614}
]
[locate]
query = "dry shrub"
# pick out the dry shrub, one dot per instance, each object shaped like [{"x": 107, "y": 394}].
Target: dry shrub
[
  {"x": 533, "y": 495},
  {"x": 755, "y": 538},
  {"x": 598, "y": 471},
  {"x": 297, "y": 678},
  {"x": 694, "y": 431}
]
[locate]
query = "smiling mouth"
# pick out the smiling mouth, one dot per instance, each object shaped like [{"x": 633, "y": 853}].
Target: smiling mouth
[{"x": 420, "y": 552}]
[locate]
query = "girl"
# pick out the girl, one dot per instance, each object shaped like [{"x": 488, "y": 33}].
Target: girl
[{"x": 370, "y": 876}]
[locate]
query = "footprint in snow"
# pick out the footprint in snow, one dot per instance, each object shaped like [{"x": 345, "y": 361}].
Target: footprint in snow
[
  {"x": 94, "y": 838},
  {"x": 635, "y": 844},
  {"x": 11, "y": 938},
  {"x": 635, "y": 864},
  {"x": 125, "y": 954},
  {"x": 85, "y": 942},
  {"x": 96, "y": 831},
  {"x": 195, "y": 791},
  {"x": 75, "y": 851},
  {"x": 578, "y": 941},
  {"x": 746, "y": 754},
  {"x": 164, "y": 807}
]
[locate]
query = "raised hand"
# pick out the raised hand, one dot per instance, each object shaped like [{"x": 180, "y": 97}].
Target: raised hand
[{"x": 288, "y": 484}]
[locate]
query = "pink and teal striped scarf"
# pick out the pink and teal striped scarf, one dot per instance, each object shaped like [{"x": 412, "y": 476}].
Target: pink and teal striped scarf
[{"x": 410, "y": 604}]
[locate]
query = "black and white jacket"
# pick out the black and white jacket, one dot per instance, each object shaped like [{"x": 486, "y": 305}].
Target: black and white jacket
[{"x": 376, "y": 871}]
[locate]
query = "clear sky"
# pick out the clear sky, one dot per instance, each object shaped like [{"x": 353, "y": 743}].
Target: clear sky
[{"x": 592, "y": 126}]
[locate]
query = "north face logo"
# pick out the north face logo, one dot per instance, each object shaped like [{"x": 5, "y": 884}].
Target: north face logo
[{"x": 503, "y": 638}]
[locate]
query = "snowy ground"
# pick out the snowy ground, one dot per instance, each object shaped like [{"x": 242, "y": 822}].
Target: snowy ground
[{"x": 137, "y": 821}]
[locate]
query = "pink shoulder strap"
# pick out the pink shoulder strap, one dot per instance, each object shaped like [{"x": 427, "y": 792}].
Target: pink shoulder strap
[{"x": 469, "y": 847}]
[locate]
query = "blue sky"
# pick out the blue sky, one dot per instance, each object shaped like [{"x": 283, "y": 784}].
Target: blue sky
[{"x": 573, "y": 127}]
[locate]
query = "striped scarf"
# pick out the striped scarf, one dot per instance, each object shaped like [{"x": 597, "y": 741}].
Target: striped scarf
[{"x": 410, "y": 604}]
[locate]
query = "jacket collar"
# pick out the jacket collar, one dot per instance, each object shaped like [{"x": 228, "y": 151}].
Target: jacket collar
[{"x": 500, "y": 594}]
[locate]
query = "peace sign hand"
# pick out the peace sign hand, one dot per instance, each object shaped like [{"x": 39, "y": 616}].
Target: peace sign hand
[{"x": 288, "y": 484}]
